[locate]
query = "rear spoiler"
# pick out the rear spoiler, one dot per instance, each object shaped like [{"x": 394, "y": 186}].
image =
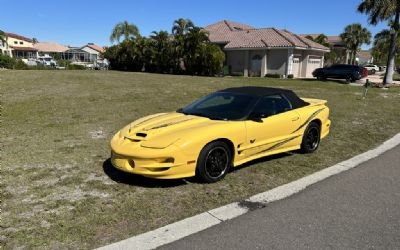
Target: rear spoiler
[{"x": 314, "y": 102}]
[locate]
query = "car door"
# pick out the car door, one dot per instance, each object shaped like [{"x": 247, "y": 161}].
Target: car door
[
  {"x": 272, "y": 126},
  {"x": 331, "y": 71}
]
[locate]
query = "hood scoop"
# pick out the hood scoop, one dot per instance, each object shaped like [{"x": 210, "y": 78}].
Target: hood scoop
[{"x": 141, "y": 135}]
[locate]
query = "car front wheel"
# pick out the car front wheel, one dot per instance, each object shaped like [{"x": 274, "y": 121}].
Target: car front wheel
[
  {"x": 321, "y": 77},
  {"x": 349, "y": 78},
  {"x": 214, "y": 162}
]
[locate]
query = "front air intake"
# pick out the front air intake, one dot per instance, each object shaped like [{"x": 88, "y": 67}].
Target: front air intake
[{"x": 141, "y": 134}]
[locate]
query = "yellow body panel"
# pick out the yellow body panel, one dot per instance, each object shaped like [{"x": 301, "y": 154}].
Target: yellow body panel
[{"x": 167, "y": 145}]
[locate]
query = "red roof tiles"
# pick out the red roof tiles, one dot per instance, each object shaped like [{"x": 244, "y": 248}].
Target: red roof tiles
[
  {"x": 95, "y": 47},
  {"x": 236, "y": 35},
  {"x": 16, "y": 36}
]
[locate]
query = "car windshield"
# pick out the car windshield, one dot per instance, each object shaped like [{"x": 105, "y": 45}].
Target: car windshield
[{"x": 221, "y": 106}]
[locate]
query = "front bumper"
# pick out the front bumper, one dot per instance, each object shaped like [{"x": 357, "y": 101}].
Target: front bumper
[{"x": 160, "y": 165}]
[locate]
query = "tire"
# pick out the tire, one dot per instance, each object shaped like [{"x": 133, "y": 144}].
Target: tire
[
  {"x": 349, "y": 78},
  {"x": 311, "y": 138},
  {"x": 321, "y": 77},
  {"x": 214, "y": 162},
  {"x": 373, "y": 71}
]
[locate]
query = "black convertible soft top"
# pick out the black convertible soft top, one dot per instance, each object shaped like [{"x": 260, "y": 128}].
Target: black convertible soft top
[{"x": 266, "y": 91}]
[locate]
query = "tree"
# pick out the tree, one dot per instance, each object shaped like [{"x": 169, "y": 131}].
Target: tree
[
  {"x": 3, "y": 38},
  {"x": 384, "y": 10},
  {"x": 182, "y": 26},
  {"x": 191, "y": 46},
  {"x": 354, "y": 36},
  {"x": 161, "y": 51},
  {"x": 126, "y": 30},
  {"x": 34, "y": 41},
  {"x": 322, "y": 39}
]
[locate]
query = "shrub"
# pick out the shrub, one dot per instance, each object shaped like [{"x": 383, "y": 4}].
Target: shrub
[
  {"x": 20, "y": 65},
  {"x": 275, "y": 75},
  {"x": 237, "y": 74},
  {"x": 290, "y": 76},
  {"x": 7, "y": 62},
  {"x": 75, "y": 67}
]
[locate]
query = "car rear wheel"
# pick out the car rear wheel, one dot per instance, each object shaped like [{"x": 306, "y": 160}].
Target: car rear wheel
[
  {"x": 311, "y": 138},
  {"x": 214, "y": 162},
  {"x": 373, "y": 71}
]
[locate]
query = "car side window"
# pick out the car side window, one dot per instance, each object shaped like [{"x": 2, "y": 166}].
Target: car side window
[{"x": 271, "y": 105}]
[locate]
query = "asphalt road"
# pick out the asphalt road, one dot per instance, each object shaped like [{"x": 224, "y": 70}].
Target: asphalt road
[{"x": 357, "y": 209}]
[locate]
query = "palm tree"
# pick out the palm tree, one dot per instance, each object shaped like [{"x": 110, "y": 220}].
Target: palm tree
[
  {"x": 126, "y": 30},
  {"x": 3, "y": 37},
  {"x": 161, "y": 42},
  {"x": 384, "y": 10},
  {"x": 182, "y": 26},
  {"x": 354, "y": 36},
  {"x": 323, "y": 40}
]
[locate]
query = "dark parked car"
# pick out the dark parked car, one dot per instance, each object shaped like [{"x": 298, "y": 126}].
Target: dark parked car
[{"x": 341, "y": 71}]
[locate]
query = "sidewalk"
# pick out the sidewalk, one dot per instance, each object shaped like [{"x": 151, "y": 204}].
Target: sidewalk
[{"x": 357, "y": 209}]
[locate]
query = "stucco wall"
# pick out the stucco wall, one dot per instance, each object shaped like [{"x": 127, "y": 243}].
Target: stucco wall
[
  {"x": 17, "y": 42},
  {"x": 276, "y": 61}
]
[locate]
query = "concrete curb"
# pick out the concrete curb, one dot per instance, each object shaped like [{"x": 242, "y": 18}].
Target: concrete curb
[{"x": 191, "y": 225}]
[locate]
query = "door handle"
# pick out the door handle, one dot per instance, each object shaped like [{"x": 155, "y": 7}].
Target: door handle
[{"x": 295, "y": 118}]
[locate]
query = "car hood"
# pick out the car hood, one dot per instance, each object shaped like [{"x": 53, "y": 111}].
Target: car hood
[{"x": 162, "y": 130}]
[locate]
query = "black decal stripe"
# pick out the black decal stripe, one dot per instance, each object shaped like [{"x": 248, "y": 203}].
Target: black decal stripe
[
  {"x": 277, "y": 145},
  {"x": 309, "y": 119},
  {"x": 167, "y": 124},
  {"x": 148, "y": 119}
]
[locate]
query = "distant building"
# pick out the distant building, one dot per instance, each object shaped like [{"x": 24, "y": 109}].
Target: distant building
[
  {"x": 93, "y": 50},
  {"x": 257, "y": 52},
  {"x": 338, "y": 46},
  {"x": 54, "y": 50},
  {"x": 364, "y": 57},
  {"x": 21, "y": 46}
]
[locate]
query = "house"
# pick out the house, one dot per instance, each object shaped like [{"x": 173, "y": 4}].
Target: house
[
  {"x": 54, "y": 50},
  {"x": 338, "y": 46},
  {"x": 94, "y": 51},
  {"x": 364, "y": 57},
  {"x": 257, "y": 52},
  {"x": 20, "y": 46}
]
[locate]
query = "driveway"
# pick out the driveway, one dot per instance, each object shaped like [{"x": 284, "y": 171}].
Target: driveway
[{"x": 357, "y": 209}]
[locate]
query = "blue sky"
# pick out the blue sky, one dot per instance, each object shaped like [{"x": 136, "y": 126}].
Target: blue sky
[{"x": 78, "y": 22}]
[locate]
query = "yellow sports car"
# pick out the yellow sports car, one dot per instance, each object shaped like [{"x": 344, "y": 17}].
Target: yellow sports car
[{"x": 221, "y": 130}]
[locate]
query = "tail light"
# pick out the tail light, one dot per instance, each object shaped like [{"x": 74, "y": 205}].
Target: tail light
[{"x": 364, "y": 72}]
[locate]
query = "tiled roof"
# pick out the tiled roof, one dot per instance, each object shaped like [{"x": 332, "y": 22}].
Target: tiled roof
[
  {"x": 21, "y": 48},
  {"x": 95, "y": 47},
  {"x": 16, "y": 36},
  {"x": 235, "y": 36},
  {"x": 50, "y": 47}
]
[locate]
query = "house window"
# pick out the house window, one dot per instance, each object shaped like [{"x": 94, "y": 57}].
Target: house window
[
  {"x": 21, "y": 42},
  {"x": 15, "y": 42}
]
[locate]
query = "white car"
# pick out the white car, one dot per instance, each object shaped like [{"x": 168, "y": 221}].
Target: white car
[{"x": 371, "y": 68}]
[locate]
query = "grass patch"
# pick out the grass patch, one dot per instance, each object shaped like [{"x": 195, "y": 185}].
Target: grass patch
[{"x": 58, "y": 188}]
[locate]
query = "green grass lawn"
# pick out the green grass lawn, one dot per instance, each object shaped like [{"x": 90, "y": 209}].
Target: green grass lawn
[{"x": 58, "y": 189}]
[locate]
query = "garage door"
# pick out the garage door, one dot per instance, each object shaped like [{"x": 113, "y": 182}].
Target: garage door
[
  {"x": 296, "y": 66},
  {"x": 312, "y": 64}
]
